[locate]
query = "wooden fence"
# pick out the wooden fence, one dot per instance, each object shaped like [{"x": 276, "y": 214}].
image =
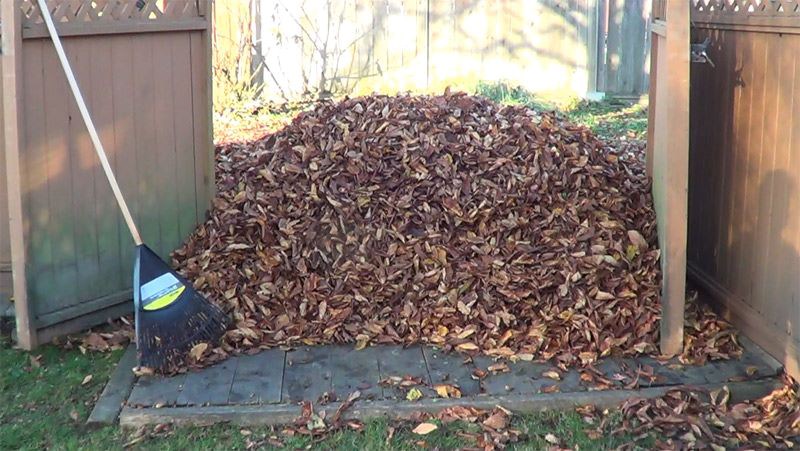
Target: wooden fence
[
  {"x": 320, "y": 47},
  {"x": 744, "y": 182},
  {"x": 144, "y": 69}
]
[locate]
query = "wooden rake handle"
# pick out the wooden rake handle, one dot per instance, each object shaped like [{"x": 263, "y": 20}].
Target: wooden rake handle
[{"x": 98, "y": 146}]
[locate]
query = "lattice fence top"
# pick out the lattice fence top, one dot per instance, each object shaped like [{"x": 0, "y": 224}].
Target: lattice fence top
[
  {"x": 747, "y": 8},
  {"x": 85, "y": 11}
]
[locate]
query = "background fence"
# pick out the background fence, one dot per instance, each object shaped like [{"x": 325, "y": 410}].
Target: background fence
[
  {"x": 323, "y": 47},
  {"x": 744, "y": 172}
]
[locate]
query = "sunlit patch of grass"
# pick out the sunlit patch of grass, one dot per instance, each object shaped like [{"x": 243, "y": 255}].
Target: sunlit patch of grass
[{"x": 609, "y": 118}]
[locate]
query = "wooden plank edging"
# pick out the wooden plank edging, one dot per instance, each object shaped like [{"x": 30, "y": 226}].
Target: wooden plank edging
[
  {"x": 265, "y": 415},
  {"x": 119, "y": 386}
]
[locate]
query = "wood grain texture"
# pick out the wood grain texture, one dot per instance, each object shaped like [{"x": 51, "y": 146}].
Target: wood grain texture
[
  {"x": 107, "y": 408},
  {"x": 16, "y": 178},
  {"x": 142, "y": 90},
  {"x": 284, "y": 414},
  {"x": 308, "y": 374},
  {"x": 449, "y": 368},
  {"x": 670, "y": 125},
  {"x": 157, "y": 391},
  {"x": 259, "y": 378},
  {"x": 745, "y": 214},
  {"x": 211, "y": 386}
]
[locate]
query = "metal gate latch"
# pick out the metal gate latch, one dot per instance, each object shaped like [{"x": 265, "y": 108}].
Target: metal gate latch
[{"x": 699, "y": 54}]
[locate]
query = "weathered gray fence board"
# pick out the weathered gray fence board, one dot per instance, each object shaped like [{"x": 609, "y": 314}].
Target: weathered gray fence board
[{"x": 322, "y": 46}]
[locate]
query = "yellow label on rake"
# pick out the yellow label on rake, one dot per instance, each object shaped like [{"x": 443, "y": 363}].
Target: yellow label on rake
[{"x": 161, "y": 292}]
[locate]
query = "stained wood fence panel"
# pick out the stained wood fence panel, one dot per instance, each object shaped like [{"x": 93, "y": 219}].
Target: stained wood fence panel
[
  {"x": 5, "y": 245},
  {"x": 144, "y": 70},
  {"x": 744, "y": 216}
]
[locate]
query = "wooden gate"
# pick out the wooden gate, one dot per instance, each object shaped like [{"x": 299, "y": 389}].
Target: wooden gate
[
  {"x": 144, "y": 69},
  {"x": 744, "y": 192}
]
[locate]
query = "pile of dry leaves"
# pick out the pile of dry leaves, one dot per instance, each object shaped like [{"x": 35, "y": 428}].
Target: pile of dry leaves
[
  {"x": 448, "y": 220},
  {"x": 690, "y": 421}
]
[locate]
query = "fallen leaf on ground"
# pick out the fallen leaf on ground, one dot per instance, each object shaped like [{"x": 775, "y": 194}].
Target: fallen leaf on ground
[
  {"x": 413, "y": 394},
  {"x": 197, "y": 350},
  {"x": 425, "y": 428},
  {"x": 497, "y": 420},
  {"x": 551, "y": 374}
]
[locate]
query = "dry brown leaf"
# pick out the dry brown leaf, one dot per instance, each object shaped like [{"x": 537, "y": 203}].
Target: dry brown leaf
[
  {"x": 550, "y": 438},
  {"x": 467, "y": 347},
  {"x": 87, "y": 379},
  {"x": 425, "y": 428},
  {"x": 498, "y": 420},
  {"x": 197, "y": 351},
  {"x": 552, "y": 374}
]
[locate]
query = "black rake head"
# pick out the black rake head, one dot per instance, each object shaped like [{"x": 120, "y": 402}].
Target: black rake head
[
  {"x": 171, "y": 317},
  {"x": 165, "y": 340}
]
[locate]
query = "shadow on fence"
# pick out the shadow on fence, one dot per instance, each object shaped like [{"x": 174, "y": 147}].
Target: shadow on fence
[{"x": 321, "y": 48}]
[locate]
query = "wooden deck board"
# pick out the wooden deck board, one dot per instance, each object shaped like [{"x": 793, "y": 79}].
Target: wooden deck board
[
  {"x": 154, "y": 391},
  {"x": 284, "y": 413},
  {"x": 211, "y": 386},
  {"x": 398, "y": 361},
  {"x": 278, "y": 377},
  {"x": 523, "y": 378},
  {"x": 258, "y": 378},
  {"x": 355, "y": 371},
  {"x": 449, "y": 368},
  {"x": 307, "y": 374}
]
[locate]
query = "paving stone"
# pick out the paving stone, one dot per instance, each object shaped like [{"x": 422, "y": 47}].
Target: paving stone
[
  {"x": 524, "y": 377},
  {"x": 398, "y": 361},
  {"x": 153, "y": 390},
  {"x": 308, "y": 374},
  {"x": 259, "y": 378},
  {"x": 355, "y": 371},
  {"x": 449, "y": 368},
  {"x": 149, "y": 391},
  {"x": 209, "y": 386}
]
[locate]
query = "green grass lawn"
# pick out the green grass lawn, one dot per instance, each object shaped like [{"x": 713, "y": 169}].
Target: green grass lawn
[{"x": 44, "y": 403}]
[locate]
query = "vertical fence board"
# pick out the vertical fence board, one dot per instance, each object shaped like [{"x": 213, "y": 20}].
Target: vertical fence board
[
  {"x": 201, "y": 103},
  {"x": 83, "y": 162},
  {"x": 725, "y": 109},
  {"x": 35, "y": 164},
  {"x": 185, "y": 171},
  {"x": 765, "y": 263},
  {"x": 105, "y": 214},
  {"x": 166, "y": 171},
  {"x": 6, "y": 288},
  {"x": 61, "y": 287},
  {"x": 126, "y": 143},
  {"x": 145, "y": 128}
]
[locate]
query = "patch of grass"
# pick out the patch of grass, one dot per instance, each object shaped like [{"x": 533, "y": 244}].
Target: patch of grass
[
  {"x": 612, "y": 118},
  {"x": 609, "y": 118},
  {"x": 46, "y": 406}
]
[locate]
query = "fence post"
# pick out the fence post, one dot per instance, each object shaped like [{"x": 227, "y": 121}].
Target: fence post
[{"x": 11, "y": 17}]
